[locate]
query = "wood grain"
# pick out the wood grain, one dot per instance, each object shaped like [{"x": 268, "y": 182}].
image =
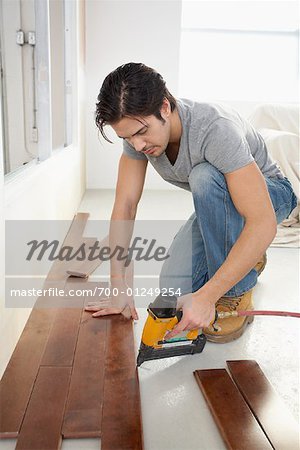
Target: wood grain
[
  {"x": 121, "y": 422},
  {"x": 57, "y": 274},
  {"x": 72, "y": 375},
  {"x": 237, "y": 424},
  {"x": 41, "y": 429},
  {"x": 85, "y": 268},
  {"x": 85, "y": 400},
  {"x": 270, "y": 411},
  {"x": 60, "y": 348},
  {"x": 19, "y": 377}
]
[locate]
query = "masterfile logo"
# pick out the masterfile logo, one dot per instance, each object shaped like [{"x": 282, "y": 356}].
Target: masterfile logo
[
  {"x": 51, "y": 254},
  {"x": 140, "y": 250}
]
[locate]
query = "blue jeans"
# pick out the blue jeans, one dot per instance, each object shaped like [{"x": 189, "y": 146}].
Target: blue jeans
[{"x": 204, "y": 241}]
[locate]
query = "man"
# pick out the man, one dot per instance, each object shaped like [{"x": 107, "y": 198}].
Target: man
[{"x": 239, "y": 194}]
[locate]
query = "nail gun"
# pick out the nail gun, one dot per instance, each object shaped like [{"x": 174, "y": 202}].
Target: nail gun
[{"x": 162, "y": 317}]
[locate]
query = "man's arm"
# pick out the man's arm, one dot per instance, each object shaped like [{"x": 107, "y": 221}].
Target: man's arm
[
  {"x": 251, "y": 198},
  {"x": 130, "y": 183},
  {"x": 249, "y": 193}
]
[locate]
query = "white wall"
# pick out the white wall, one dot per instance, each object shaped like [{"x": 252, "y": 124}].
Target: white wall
[
  {"x": 118, "y": 32},
  {"x": 50, "y": 190}
]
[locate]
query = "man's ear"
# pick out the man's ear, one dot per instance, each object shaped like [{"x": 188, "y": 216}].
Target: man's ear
[{"x": 165, "y": 109}]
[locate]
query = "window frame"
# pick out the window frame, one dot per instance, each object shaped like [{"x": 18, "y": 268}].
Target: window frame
[{"x": 43, "y": 85}]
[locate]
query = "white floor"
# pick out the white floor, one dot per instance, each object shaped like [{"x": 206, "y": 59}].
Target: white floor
[{"x": 174, "y": 412}]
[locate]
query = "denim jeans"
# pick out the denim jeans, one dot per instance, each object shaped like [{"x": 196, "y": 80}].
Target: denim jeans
[{"x": 204, "y": 241}]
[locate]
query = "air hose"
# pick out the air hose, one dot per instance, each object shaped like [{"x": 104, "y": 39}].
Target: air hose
[{"x": 226, "y": 314}]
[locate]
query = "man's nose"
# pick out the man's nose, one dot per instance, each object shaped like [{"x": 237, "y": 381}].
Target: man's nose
[{"x": 139, "y": 144}]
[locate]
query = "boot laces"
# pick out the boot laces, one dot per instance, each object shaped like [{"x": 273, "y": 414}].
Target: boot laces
[{"x": 229, "y": 302}]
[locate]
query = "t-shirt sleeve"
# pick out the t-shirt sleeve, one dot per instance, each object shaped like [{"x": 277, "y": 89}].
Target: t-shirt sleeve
[
  {"x": 226, "y": 147},
  {"x": 131, "y": 152}
]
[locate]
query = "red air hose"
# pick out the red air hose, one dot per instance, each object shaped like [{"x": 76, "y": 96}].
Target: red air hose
[
  {"x": 269, "y": 313},
  {"x": 227, "y": 314}
]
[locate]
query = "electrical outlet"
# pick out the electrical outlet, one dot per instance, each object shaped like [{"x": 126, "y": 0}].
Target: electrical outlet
[
  {"x": 31, "y": 37},
  {"x": 20, "y": 37}
]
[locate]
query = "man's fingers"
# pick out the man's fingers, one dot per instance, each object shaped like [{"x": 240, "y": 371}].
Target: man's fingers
[
  {"x": 134, "y": 313},
  {"x": 130, "y": 311},
  {"x": 105, "y": 307},
  {"x": 97, "y": 307},
  {"x": 106, "y": 312},
  {"x": 181, "y": 326}
]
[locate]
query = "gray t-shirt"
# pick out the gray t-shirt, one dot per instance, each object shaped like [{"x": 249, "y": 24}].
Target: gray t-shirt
[{"x": 212, "y": 133}]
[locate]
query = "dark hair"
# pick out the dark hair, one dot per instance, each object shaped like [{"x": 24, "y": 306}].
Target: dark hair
[{"x": 132, "y": 89}]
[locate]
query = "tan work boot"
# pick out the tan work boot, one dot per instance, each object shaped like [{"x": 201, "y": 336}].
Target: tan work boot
[
  {"x": 261, "y": 264},
  {"x": 228, "y": 329}
]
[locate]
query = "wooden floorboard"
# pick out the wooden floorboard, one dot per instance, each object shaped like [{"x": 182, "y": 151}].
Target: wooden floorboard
[
  {"x": 85, "y": 400},
  {"x": 41, "y": 429},
  {"x": 76, "y": 229},
  {"x": 72, "y": 375},
  {"x": 236, "y": 423},
  {"x": 271, "y": 412},
  {"x": 121, "y": 422},
  {"x": 19, "y": 377},
  {"x": 93, "y": 290},
  {"x": 60, "y": 348},
  {"x": 87, "y": 267},
  {"x": 57, "y": 274}
]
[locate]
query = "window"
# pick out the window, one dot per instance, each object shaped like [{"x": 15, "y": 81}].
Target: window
[
  {"x": 37, "y": 58},
  {"x": 240, "y": 51}
]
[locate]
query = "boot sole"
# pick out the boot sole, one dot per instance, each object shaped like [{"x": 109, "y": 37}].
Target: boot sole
[{"x": 223, "y": 339}]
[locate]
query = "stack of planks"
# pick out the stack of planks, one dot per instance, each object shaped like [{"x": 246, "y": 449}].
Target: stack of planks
[
  {"x": 71, "y": 375},
  {"x": 246, "y": 409}
]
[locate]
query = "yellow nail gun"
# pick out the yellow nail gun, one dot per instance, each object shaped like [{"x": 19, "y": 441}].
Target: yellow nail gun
[{"x": 162, "y": 317}]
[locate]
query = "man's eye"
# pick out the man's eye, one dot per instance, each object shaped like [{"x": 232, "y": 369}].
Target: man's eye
[{"x": 143, "y": 132}]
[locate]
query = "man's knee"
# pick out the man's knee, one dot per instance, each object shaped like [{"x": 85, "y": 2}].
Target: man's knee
[
  {"x": 171, "y": 279},
  {"x": 204, "y": 179}
]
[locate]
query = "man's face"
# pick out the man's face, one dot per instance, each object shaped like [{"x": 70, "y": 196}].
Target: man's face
[{"x": 148, "y": 135}]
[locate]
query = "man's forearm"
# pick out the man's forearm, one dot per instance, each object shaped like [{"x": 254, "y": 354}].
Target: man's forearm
[
  {"x": 120, "y": 233},
  {"x": 250, "y": 246}
]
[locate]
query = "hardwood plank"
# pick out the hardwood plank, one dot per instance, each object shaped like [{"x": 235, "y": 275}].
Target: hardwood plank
[
  {"x": 270, "y": 411},
  {"x": 84, "y": 405},
  {"x": 59, "y": 302},
  {"x": 92, "y": 290},
  {"x": 62, "y": 340},
  {"x": 85, "y": 268},
  {"x": 121, "y": 421},
  {"x": 58, "y": 274},
  {"x": 76, "y": 229},
  {"x": 88, "y": 242},
  {"x": 232, "y": 415},
  {"x": 41, "y": 429},
  {"x": 18, "y": 379}
]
